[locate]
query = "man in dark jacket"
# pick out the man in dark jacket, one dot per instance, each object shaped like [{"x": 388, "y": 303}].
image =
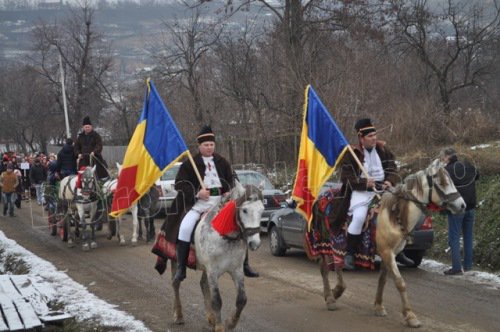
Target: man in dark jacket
[
  {"x": 218, "y": 180},
  {"x": 358, "y": 188},
  {"x": 89, "y": 145},
  {"x": 464, "y": 175},
  {"x": 66, "y": 160},
  {"x": 38, "y": 175}
]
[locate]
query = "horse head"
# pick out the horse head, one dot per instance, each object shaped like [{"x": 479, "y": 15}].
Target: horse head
[
  {"x": 434, "y": 186},
  {"x": 249, "y": 212},
  {"x": 89, "y": 184}
]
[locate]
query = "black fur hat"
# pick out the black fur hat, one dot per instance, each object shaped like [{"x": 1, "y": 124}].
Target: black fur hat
[
  {"x": 206, "y": 134},
  {"x": 364, "y": 127},
  {"x": 86, "y": 121}
]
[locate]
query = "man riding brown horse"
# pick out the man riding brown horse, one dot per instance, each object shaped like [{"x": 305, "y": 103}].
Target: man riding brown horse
[{"x": 358, "y": 190}]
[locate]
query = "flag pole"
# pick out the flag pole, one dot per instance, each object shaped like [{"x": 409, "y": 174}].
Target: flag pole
[
  {"x": 202, "y": 184},
  {"x": 359, "y": 164}
]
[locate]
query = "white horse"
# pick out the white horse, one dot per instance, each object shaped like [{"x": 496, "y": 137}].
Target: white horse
[
  {"x": 80, "y": 200},
  {"x": 216, "y": 255},
  {"x": 146, "y": 207},
  {"x": 400, "y": 210}
]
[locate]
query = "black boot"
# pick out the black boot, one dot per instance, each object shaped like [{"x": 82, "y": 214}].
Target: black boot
[
  {"x": 352, "y": 246},
  {"x": 182, "y": 253},
  {"x": 402, "y": 259},
  {"x": 249, "y": 272}
]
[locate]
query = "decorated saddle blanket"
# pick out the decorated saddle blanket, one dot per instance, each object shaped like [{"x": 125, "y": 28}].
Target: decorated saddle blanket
[
  {"x": 224, "y": 223},
  {"x": 321, "y": 239}
]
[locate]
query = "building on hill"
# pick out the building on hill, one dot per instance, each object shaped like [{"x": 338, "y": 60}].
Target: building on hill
[{"x": 50, "y": 4}]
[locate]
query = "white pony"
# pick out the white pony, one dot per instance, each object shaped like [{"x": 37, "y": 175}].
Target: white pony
[
  {"x": 81, "y": 200},
  {"x": 146, "y": 205},
  {"x": 217, "y": 254}
]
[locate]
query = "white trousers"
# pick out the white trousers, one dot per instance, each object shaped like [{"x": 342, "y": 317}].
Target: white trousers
[
  {"x": 190, "y": 219},
  {"x": 360, "y": 201}
]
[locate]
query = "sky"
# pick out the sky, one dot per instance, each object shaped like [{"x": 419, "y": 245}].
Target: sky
[{"x": 79, "y": 302}]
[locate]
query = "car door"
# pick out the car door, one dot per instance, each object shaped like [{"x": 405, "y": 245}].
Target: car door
[{"x": 293, "y": 229}]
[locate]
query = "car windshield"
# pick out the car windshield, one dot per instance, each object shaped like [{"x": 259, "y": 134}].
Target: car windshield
[
  {"x": 170, "y": 174},
  {"x": 255, "y": 179}
]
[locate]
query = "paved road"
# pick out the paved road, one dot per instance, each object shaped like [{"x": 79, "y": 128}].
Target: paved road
[{"x": 287, "y": 296}]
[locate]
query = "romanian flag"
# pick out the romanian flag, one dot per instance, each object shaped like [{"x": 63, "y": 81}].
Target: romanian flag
[
  {"x": 155, "y": 145},
  {"x": 322, "y": 146}
]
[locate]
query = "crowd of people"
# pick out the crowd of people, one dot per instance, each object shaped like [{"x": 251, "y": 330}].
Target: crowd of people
[{"x": 23, "y": 176}]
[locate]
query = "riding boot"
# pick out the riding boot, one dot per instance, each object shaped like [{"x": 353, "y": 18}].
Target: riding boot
[
  {"x": 403, "y": 259},
  {"x": 182, "y": 253},
  {"x": 352, "y": 246},
  {"x": 249, "y": 272}
]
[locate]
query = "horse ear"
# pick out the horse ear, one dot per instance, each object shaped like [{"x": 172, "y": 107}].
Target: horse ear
[
  {"x": 434, "y": 167},
  {"x": 261, "y": 185},
  {"x": 118, "y": 167},
  {"x": 93, "y": 168},
  {"x": 238, "y": 191}
]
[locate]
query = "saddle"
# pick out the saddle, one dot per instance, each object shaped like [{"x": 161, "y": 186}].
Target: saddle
[
  {"x": 224, "y": 223},
  {"x": 321, "y": 239}
]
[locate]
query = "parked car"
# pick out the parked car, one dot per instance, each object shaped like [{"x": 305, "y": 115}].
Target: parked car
[
  {"x": 287, "y": 227},
  {"x": 274, "y": 199},
  {"x": 165, "y": 185}
]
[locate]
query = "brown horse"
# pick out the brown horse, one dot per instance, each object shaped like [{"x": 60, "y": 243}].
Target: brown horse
[{"x": 400, "y": 210}]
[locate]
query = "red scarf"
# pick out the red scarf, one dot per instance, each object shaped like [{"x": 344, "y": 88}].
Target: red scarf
[{"x": 225, "y": 221}]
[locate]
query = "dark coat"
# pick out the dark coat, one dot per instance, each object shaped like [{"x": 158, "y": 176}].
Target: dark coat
[
  {"x": 66, "y": 160},
  {"x": 86, "y": 144},
  {"x": 38, "y": 174},
  {"x": 464, "y": 176},
  {"x": 350, "y": 175},
  {"x": 187, "y": 186}
]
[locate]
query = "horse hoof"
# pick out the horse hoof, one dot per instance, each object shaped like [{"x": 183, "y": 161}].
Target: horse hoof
[
  {"x": 178, "y": 320},
  {"x": 219, "y": 328},
  {"x": 412, "y": 320},
  {"x": 331, "y": 305},
  {"x": 71, "y": 244},
  {"x": 122, "y": 243},
  {"x": 85, "y": 247},
  {"x": 93, "y": 245},
  {"x": 230, "y": 324},
  {"x": 380, "y": 312}
]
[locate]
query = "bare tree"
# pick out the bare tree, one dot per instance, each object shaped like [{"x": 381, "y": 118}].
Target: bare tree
[
  {"x": 184, "y": 46},
  {"x": 85, "y": 57},
  {"x": 455, "y": 43}
]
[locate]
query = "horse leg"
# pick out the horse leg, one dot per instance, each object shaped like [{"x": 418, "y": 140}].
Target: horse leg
[
  {"x": 176, "y": 285},
  {"x": 135, "y": 224},
  {"x": 119, "y": 236},
  {"x": 390, "y": 261},
  {"x": 210, "y": 316},
  {"x": 241, "y": 298},
  {"x": 215, "y": 300},
  {"x": 151, "y": 228},
  {"x": 327, "y": 291},
  {"x": 379, "y": 307},
  {"x": 70, "y": 230},
  {"x": 93, "y": 225},
  {"x": 81, "y": 217}
]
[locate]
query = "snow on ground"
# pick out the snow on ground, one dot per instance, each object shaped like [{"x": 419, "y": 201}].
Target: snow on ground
[
  {"x": 80, "y": 303},
  {"x": 77, "y": 300},
  {"x": 477, "y": 277}
]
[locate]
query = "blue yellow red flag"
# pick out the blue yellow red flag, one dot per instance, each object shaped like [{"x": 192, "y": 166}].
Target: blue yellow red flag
[
  {"x": 322, "y": 146},
  {"x": 154, "y": 147}
]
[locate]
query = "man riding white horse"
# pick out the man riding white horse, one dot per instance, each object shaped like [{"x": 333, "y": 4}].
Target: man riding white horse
[
  {"x": 358, "y": 190},
  {"x": 218, "y": 180}
]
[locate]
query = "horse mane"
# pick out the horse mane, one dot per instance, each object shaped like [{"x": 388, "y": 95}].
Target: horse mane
[
  {"x": 396, "y": 207},
  {"x": 250, "y": 190},
  {"x": 413, "y": 182}
]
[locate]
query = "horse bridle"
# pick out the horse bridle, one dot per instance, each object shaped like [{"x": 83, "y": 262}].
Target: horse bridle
[
  {"x": 445, "y": 198},
  {"x": 244, "y": 232}
]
